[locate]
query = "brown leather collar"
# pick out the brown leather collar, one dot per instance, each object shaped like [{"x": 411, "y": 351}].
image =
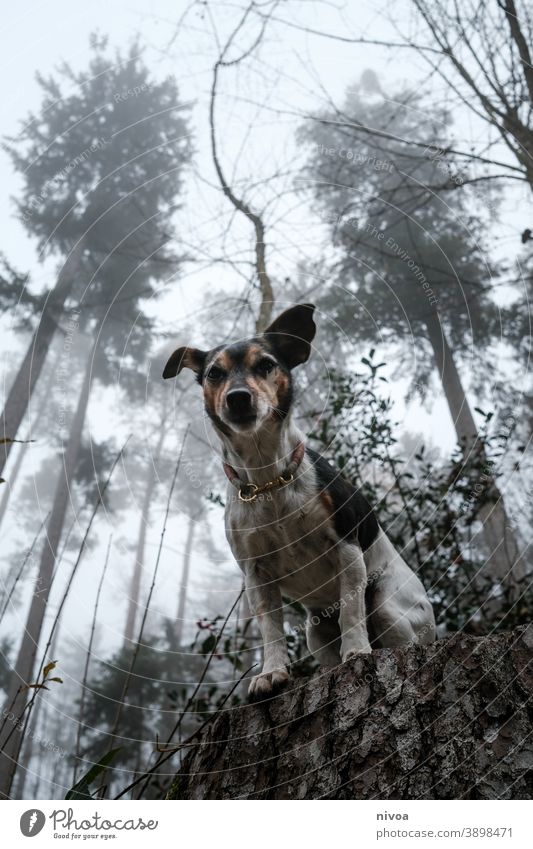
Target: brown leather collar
[{"x": 249, "y": 492}]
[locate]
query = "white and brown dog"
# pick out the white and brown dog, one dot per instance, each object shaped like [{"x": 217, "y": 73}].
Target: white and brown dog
[{"x": 295, "y": 526}]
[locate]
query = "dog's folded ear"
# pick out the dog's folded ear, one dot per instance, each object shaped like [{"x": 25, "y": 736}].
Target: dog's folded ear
[
  {"x": 291, "y": 334},
  {"x": 185, "y": 357}
]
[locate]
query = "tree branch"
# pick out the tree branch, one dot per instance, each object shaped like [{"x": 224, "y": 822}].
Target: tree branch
[{"x": 265, "y": 283}]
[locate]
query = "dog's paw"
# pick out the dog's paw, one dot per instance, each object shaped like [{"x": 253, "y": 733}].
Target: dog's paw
[
  {"x": 356, "y": 652},
  {"x": 267, "y": 683}
]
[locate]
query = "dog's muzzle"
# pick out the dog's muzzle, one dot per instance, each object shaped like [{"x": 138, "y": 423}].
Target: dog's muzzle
[{"x": 240, "y": 406}]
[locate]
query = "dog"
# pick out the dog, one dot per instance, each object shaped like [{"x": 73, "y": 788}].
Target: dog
[{"x": 295, "y": 526}]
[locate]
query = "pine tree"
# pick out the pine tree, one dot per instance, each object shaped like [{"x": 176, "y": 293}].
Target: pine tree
[{"x": 410, "y": 265}]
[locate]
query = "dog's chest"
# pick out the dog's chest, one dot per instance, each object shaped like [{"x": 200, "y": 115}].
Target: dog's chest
[{"x": 291, "y": 536}]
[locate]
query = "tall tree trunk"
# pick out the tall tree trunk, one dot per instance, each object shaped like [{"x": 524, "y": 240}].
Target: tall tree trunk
[
  {"x": 504, "y": 561},
  {"x": 184, "y": 585},
  {"x": 135, "y": 585},
  {"x": 23, "y": 385},
  {"x": 24, "y": 667},
  {"x": 10, "y": 482},
  {"x": 22, "y": 449}
]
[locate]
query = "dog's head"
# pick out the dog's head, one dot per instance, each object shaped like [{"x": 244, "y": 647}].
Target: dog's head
[{"x": 248, "y": 382}]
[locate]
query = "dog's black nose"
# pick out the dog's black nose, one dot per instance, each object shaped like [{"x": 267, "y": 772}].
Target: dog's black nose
[{"x": 239, "y": 401}]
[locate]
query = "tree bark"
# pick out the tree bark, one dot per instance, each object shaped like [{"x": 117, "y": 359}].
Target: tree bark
[
  {"x": 504, "y": 561},
  {"x": 23, "y": 385},
  {"x": 451, "y": 720},
  {"x": 10, "y": 737}
]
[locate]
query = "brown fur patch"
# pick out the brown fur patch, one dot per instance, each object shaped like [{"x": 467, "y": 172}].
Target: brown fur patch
[
  {"x": 213, "y": 396},
  {"x": 223, "y": 360},
  {"x": 253, "y": 354},
  {"x": 262, "y": 386},
  {"x": 282, "y": 383},
  {"x": 327, "y": 501},
  {"x": 278, "y": 391},
  {"x": 214, "y": 392}
]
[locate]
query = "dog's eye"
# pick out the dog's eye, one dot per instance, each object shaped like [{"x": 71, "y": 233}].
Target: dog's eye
[
  {"x": 265, "y": 366},
  {"x": 215, "y": 374}
]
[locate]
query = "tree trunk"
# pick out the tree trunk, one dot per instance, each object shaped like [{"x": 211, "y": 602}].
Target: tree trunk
[
  {"x": 23, "y": 672},
  {"x": 182, "y": 598},
  {"x": 14, "y": 471},
  {"x": 504, "y": 561},
  {"x": 445, "y": 721},
  {"x": 135, "y": 585},
  {"x": 23, "y": 385},
  {"x": 10, "y": 482}
]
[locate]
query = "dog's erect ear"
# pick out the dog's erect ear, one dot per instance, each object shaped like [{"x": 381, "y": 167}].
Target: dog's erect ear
[
  {"x": 291, "y": 334},
  {"x": 191, "y": 358}
]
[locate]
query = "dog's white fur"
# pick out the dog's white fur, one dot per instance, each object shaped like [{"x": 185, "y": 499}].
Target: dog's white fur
[{"x": 285, "y": 544}]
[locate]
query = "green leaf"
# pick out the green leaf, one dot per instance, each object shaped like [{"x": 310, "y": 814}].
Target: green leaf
[
  {"x": 208, "y": 644},
  {"x": 81, "y": 789}
]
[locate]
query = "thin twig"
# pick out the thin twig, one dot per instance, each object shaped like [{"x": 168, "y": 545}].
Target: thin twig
[
  {"x": 147, "y": 775},
  {"x": 129, "y": 674},
  {"x": 29, "y": 705},
  {"x": 21, "y": 570},
  {"x": 186, "y": 743},
  {"x": 88, "y": 660},
  {"x": 192, "y": 697},
  {"x": 99, "y": 500}
]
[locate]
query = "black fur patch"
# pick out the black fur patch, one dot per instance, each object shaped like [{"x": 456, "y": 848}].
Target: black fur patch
[{"x": 353, "y": 516}]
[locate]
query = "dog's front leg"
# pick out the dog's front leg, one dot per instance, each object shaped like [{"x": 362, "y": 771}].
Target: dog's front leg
[
  {"x": 352, "y": 613},
  {"x": 264, "y": 597}
]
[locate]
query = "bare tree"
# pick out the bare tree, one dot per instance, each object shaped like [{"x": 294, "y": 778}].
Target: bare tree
[
  {"x": 265, "y": 283},
  {"x": 487, "y": 45}
]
